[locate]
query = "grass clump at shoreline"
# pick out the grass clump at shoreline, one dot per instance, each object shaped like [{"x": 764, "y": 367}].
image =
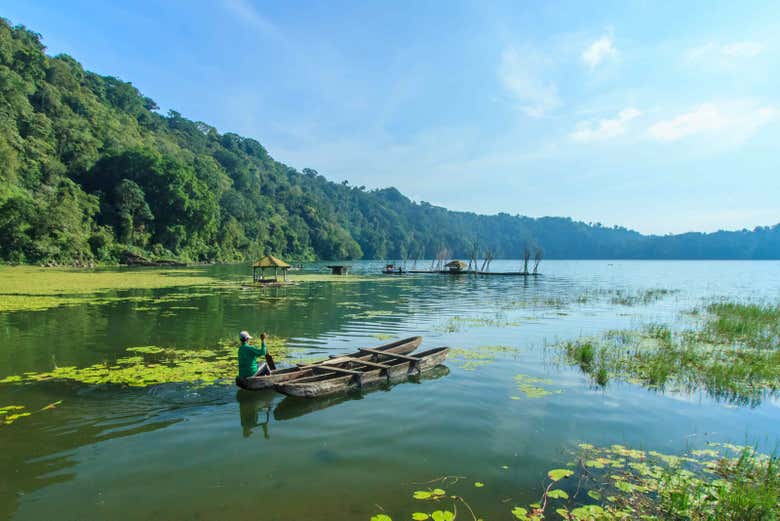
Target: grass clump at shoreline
[{"x": 734, "y": 354}]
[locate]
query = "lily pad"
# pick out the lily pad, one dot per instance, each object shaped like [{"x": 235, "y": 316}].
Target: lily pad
[
  {"x": 558, "y": 494},
  {"x": 442, "y": 515},
  {"x": 559, "y": 474}
]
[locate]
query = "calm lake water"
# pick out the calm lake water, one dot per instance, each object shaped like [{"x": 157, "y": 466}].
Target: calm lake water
[{"x": 182, "y": 451}]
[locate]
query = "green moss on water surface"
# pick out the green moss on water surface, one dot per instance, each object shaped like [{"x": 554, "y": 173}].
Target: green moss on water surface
[
  {"x": 26, "y": 288},
  {"x": 534, "y": 387},
  {"x": 470, "y": 359},
  {"x": 152, "y": 365},
  {"x": 11, "y": 413}
]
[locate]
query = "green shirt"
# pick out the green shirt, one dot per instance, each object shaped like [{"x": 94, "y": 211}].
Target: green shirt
[{"x": 247, "y": 359}]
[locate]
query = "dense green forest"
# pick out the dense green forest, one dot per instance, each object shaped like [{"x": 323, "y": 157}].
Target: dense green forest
[{"x": 89, "y": 170}]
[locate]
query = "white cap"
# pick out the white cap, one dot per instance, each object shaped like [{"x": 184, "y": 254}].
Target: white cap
[{"x": 243, "y": 335}]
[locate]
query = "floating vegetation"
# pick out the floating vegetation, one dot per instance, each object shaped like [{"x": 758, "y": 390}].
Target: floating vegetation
[
  {"x": 470, "y": 359},
  {"x": 151, "y": 365},
  {"x": 459, "y": 323},
  {"x": 382, "y": 336},
  {"x": 640, "y": 297},
  {"x": 10, "y": 413},
  {"x": 734, "y": 355},
  {"x": 26, "y": 288},
  {"x": 619, "y": 297},
  {"x": 530, "y": 386},
  {"x": 370, "y": 314},
  {"x": 723, "y": 482}
]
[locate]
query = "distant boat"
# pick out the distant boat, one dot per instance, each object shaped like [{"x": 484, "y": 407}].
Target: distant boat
[{"x": 392, "y": 269}]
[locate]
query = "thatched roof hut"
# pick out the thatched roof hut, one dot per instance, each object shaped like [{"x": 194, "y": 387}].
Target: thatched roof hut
[{"x": 268, "y": 262}]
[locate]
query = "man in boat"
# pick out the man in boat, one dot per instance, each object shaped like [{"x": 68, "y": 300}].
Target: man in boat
[{"x": 247, "y": 357}]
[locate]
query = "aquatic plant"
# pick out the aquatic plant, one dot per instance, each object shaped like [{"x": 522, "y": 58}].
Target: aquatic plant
[
  {"x": 26, "y": 288},
  {"x": 530, "y": 386},
  {"x": 152, "y": 365},
  {"x": 10, "y": 413},
  {"x": 459, "y": 323},
  {"x": 470, "y": 359},
  {"x": 722, "y": 482},
  {"x": 733, "y": 355}
]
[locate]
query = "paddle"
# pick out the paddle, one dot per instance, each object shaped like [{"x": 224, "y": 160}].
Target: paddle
[{"x": 268, "y": 358}]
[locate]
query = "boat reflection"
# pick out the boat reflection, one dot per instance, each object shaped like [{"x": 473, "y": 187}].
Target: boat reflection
[{"x": 291, "y": 407}]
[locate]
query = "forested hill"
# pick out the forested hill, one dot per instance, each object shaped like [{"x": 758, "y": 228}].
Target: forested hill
[{"x": 90, "y": 170}]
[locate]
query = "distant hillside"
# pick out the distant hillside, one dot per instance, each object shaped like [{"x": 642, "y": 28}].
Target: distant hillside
[{"x": 89, "y": 170}]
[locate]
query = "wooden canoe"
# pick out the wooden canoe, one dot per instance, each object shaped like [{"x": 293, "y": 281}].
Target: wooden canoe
[
  {"x": 357, "y": 373},
  {"x": 257, "y": 383}
]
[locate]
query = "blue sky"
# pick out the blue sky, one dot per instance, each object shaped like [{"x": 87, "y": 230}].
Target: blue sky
[{"x": 659, "y": 116}]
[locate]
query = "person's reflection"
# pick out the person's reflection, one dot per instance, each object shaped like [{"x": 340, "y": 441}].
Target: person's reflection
[{"x": 250, "y": 403}]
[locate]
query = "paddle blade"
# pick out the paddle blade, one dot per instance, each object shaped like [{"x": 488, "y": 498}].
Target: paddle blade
[{"x": 270, "y": 361}]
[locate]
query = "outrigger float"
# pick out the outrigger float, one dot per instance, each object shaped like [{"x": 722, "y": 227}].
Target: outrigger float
[{"x": 376, "y": 367}]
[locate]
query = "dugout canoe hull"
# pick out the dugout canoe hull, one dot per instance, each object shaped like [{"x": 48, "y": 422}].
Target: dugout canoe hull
[
  {"x": 327, "y": 384},
  {"x": 257, "y": 383}
]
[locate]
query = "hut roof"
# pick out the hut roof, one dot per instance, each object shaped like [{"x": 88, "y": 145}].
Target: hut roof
[
  {"x": 457, "y": 264},
  {"x": 269, "y": 261}
]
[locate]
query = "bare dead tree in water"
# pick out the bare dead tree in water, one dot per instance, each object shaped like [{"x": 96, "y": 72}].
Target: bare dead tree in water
[
  {"x": 441, "y": 258},
  {"x": 526, "y": 257},
  {"x": 473, "y": 256},
  {"x": 486, "y": 261},
  {"x": 538, "y": 254}
]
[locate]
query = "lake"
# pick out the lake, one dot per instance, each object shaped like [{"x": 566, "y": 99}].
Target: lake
[{"x": 504, "y": 410}]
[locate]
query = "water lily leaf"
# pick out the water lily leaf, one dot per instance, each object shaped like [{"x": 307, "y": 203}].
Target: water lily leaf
[
  {"x": 587, "y": 513},
  {"x": 559, "y": 474},
  {"x": 422, "y": 494},
  {"x": 420, "y": 516},
  {"x": 438, "y": 492},
  {"x": 381, "y": 517},
  {"x": 479, "y": 484},
  {"x": 594, "y": 495},
  {"x": 624, "y": 486},
  {"x": 442, "y": 515},
  {"x": 520, "y": 513},
  {"x": 558, "y": 494},
  {"x": 564, "y": 513}
]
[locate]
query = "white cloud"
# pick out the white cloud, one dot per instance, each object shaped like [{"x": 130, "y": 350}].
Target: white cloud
[
  {"x": 244, "y": 10},
  {"x": 738, "y": 121},
  {"x": 521, "y": 73},
  {"x": 727, "y": 52},
  {"x": 605, "y": 128},
  {"x": 742, "y": 49},
  {"x": 598, "y": 51}
]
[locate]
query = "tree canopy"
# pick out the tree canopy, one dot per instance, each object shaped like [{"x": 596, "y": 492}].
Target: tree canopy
[{"x": 90, "y": 169}]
